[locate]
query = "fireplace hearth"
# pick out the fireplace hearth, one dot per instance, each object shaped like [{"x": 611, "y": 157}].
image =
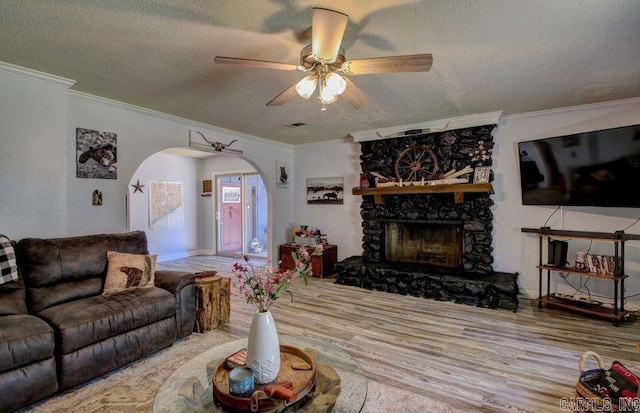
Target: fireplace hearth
[{"x": 429, "y": 245}]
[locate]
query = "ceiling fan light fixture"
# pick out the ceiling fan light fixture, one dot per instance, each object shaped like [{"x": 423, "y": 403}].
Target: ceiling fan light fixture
[
  {"x": 307, "y": 86},
  {"x": 328, "y": 100},
  {"x": 327, "y": 96},
  {"x": 335, "y": 83}
]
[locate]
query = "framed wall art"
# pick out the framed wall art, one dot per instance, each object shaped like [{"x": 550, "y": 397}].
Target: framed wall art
[
  {"x": 282, "y": 174},
  {"x": 325, "y": 190},
  {"x": 96, "y": 154},
  {"x": 207, "y": 187},
  {"x": 165, "y": 205},
  {"x": 481, "y": 174}
]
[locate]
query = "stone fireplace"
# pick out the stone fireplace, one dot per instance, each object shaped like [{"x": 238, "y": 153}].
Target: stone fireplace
[{"x": 433, "y": 245}]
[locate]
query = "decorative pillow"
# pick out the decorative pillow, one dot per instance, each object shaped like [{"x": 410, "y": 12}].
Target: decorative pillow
[
  {"x": 8, "y": 266},
  {"x": 128, "y": 271}
]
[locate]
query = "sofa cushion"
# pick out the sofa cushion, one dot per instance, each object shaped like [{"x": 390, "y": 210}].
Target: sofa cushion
[
  {"x": 127, "y": 271},
  {"x": 8, "y": 265},
  {"x": 99, "y": 358},
  {"x": 27, "y": 384},
  {"x": 89, "y": 320},
  {"x": 24, "y": 339},
  {"x": 58, "y": 270}
]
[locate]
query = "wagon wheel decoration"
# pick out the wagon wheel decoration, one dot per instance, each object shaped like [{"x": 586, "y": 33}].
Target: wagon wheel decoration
[{"x": 415, "y": 163}]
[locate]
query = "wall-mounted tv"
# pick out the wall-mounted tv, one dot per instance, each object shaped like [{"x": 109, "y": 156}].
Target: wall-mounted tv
[{"x": 599, "y": 168}]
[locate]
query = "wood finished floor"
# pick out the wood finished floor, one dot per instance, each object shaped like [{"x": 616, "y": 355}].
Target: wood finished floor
[{"x": 472, "y": 358}]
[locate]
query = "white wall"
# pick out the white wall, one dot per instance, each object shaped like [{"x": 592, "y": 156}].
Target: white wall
[
  {"x": 514, "y": 251},
  {"x": 142, "y": 133},
  {"x": 33, "y": 154},
  {"x": 341, "y": 223},
  {"x": 39, "y": 193},
  {"x": 169, "y": 242}
]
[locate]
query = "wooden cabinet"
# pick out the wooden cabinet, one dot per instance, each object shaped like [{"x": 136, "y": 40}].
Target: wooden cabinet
[
  {"x": 321, "y": 265},
  {"x": 614, "y": 312}
]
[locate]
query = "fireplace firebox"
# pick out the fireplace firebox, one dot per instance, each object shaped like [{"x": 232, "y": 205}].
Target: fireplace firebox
[{"x": 423, "y": 242}]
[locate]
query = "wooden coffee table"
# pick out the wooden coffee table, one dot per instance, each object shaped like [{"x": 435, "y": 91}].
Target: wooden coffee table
[{"x": 188, "y": 389}]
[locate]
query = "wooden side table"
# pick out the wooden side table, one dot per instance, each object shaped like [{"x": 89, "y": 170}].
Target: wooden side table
[
  {"x": 213, "y": 294},
  {"x": 321, "y": 265}
]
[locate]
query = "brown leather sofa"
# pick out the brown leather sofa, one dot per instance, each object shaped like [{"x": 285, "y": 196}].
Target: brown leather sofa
[{"x": 93, "y": 333}]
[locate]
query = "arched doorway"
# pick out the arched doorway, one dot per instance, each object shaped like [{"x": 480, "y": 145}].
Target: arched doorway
[{"x": 201, "y": 225}]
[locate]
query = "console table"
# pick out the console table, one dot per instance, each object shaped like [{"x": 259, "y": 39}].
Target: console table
[
  {"x": 321, "y": 265},
  {"x": 617, "y": 312}
]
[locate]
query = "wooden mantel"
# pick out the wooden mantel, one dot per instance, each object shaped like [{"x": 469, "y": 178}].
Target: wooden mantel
[{"x": 458, "y": 191}]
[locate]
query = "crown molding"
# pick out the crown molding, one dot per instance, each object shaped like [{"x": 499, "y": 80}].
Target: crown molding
[
  {"x": 36, "y": 75},
  {"x": 490, "y": 118},
  {"x": 217, "y": 131},
  {"x": 588, "y": 106}
]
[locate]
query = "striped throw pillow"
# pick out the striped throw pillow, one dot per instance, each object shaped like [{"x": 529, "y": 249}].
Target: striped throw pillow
[{"x": 8, "y": 266}]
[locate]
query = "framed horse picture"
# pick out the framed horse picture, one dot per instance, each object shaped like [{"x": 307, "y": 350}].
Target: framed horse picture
[
  {"x": 282, "y": 174},
  {"x": 325, "y": 190}
]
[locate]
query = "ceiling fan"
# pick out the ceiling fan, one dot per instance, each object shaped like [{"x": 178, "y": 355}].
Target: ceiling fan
[{"x": 324, "y": 58}]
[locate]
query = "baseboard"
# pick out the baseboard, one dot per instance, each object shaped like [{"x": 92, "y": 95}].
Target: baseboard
[{"x": 176, "y": 256}]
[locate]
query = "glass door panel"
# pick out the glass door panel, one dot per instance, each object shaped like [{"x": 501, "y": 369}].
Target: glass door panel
[{"x": 255, "y": 213}]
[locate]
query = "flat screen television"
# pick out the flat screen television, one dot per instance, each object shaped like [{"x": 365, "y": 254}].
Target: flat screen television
[{"x": 599, "y": 168}]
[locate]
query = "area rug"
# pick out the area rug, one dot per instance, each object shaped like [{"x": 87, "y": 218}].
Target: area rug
[{"x": 133, "y": 387}]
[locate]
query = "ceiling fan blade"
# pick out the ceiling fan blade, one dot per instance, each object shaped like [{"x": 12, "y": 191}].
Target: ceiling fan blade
[
  {"x": 263, "y": 64},
  {"x": 354, "y": 95},
  {"x": 389, "y": 64},
  {"x": 326, "y": 31},
  {"x": 284, "y": 97}
]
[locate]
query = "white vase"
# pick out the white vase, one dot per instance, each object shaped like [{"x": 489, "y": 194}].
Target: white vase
[{"x": 263, "y": 348}]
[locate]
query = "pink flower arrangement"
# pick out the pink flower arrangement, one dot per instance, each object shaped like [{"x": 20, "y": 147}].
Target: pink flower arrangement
[{"x": 263, "y": 286}]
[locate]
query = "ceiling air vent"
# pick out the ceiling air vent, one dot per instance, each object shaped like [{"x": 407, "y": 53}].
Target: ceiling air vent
[{"x": 295, "y": 125}]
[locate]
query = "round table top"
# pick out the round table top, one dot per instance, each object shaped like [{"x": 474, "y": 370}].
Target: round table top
[{"x": 188, "y": 389}]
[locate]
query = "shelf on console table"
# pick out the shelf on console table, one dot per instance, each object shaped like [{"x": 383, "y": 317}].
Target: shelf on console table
[
  {"x": 458, "y": 190},
  {"x": 572, "y": 270},
  {"x": 603, "y": 312},
  {"x": 601, "y": 236}
]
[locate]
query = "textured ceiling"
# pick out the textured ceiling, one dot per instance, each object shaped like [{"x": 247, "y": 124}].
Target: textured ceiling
[{"x": 488, "y": 55}]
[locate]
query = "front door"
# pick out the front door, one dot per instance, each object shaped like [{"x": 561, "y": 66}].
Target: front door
[
  {"x": 230, "y": 209},
  {"x": 241, "y": 215}
]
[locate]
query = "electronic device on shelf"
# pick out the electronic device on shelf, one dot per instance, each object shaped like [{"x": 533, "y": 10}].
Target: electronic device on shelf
[
  {"x": 557, "y": 253},
  {"x": 583, "y": 301}
]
